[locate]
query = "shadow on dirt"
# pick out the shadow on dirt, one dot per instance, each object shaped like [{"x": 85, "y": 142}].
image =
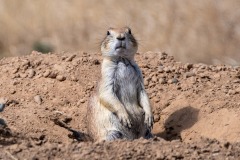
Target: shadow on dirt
[
  {"x": 178, "y": 121},
  {"x": 74, "y": 134},
  {"x": 6, "y": 136}
]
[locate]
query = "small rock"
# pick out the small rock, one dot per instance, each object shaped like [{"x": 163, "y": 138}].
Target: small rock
[
  {"x": 217, "y": 76},
  {"x": 193, "y": 80},
  {"x": 15, "y": 70},
  {"x": 23, "y": 75},
  {"x": 12, "y": 91},
  {"x": 38, "y": 99},
  {"x": 26, "y": 63},
  {"x": 31, "y": 73},
  {"x": 60, "y": 78},
  {"x": 219, "y": 68},
  {"x": 156, "y": 99},
  {"x": 173, "y": 80},
  {"x": 167, "y": 70},
  {"x": 82, "y": 100},
  {"x": 238, "y": 90},
  {"x": 162, "y": 81},
  {"x": 162, "y": 76},
  {"x": 154, "y": 79},
  {"x": 163, "y": 56},
  {"x": 46, "y": 73},
  {"x": 160, "y": 69},
  {"x": 231, "y": 92},
  {"x": 156, "y": 118},
  {"x": 152, "y": 85},
  {"x": 69, "y": 59},
  {"x": 238, "y": 75},
  {"x": 52, "y": 75},
  {"x": 96, "y": 62},
  {"x": 189, "y": 74},
  {"x": 36, "y": 53},
  {"x": 146, "y": 82},
  {"x": 236, "y": 81},
  {"x": 73, "y": 78},
  {"x": 67, "y": 119},
  {"x": 59, "y": 67},
  {"x": 188, "y": 66}
]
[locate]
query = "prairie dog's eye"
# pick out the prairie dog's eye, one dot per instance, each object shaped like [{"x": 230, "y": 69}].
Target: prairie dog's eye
[{"x": 108, "y": 33}]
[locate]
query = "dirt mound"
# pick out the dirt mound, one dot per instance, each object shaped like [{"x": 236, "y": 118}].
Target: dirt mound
[{"x": 45, "y": 98}]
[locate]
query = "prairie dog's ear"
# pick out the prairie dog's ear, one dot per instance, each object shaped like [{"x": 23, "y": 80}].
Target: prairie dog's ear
[{"x": 128, "y": 30}]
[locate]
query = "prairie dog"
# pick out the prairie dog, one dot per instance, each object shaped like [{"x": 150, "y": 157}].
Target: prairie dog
[{"x": 120, "y": 108}]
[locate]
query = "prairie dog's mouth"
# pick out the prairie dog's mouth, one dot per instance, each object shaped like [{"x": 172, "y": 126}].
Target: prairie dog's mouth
[{"x": 120, "y": 47}]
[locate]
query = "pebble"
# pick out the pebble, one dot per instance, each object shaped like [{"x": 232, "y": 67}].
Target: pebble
[
  {"x": 156, "y": 99},
  {"x": 60, "y": 78},
  {"x": 160, "y": 69},
  {"x": 46, "y": 73},
  {"x": 82, "y": 100},
  {"x": 15, "y": 70},
  {"x": 59, "y": 67},
  {"x": 217, "y": 76},
  {"x": 231, "y": 92},
  {"x": 173, "y": 80},
  {"x": 12, "y": 91},
  {"x": 188, "y": 66},
  {"x": 31, "y": 73},
  {"x": 162, "y": 81},
  {"x": 52, "y": 75},
  {"x": 154, "y": 79},
  {"x": 26, "y": 63},
  {"x": 38, "y": 99},
  {"x": 156, "y": 118},
  {"x": 189, "y": 74},
  {"x": 23, "y": 75},
  {"x": 69, "y": 59},
  {"x": 236, "y": 81},
  {"x": 96, "y": 62},
  {"x": 146, "y": 82},
  {"x": 167, "y": 70},
  {"x": 152, "y": 85},
  {"x": 238, "y": 90},
  {"x": 73, "y": 78},
  {"x": 162, "y": 76},
  {"x": 193, "y": 80}
]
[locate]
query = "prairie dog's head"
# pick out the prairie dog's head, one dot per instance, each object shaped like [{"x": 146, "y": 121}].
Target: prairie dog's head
[{"x": 119, "y": 42}]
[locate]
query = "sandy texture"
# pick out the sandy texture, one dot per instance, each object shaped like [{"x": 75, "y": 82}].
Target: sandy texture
[{"x": 196, "y": 109}]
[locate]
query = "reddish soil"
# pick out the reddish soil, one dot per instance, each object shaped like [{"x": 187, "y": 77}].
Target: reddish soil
[{"x": 196, "y": 109}]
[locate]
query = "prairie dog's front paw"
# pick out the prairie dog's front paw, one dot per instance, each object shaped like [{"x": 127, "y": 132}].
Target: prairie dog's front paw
[
  {"x": 149, "y": 120},
  {"x": 124, "y": 119}
]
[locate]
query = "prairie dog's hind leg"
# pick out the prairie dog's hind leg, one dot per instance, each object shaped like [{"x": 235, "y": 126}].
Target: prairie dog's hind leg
[{"x": 113, "y": 135}]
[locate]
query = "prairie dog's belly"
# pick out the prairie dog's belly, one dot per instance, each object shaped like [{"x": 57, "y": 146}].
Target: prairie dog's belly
[{"x": 126, "y": 83}]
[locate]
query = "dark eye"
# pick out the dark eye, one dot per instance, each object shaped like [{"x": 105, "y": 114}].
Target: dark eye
[
  {"x": 108, "y": 33},
  {"x": 129, "y": 31}
]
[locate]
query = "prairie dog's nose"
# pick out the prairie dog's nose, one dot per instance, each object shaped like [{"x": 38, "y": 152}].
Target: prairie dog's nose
[{"x": 121, "y": 37}]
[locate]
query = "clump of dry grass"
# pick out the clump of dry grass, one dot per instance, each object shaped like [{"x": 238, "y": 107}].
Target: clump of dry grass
[{"x": 194, "y": 31}]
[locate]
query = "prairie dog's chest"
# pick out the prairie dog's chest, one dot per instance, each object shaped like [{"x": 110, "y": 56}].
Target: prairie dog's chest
[{"x": 126, "y": 73}]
